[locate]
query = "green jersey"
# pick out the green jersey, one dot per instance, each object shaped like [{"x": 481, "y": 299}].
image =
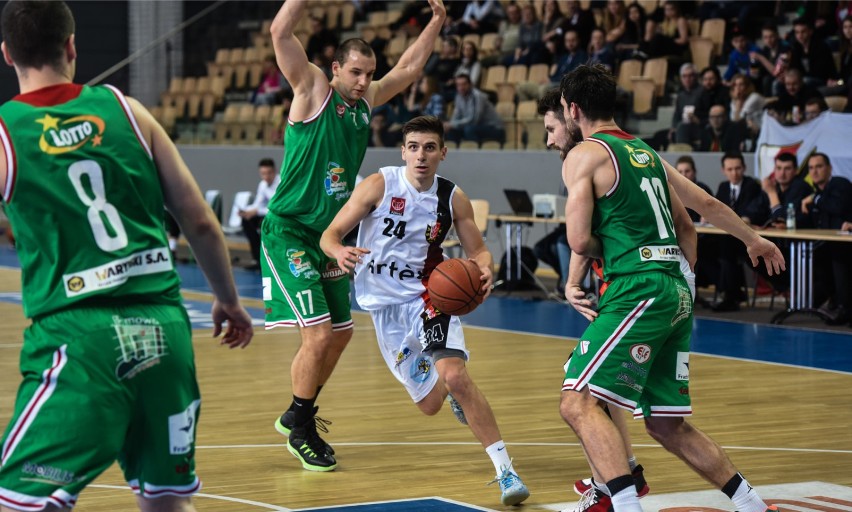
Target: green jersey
[
  {"x": 322, "y": 156},
  {"x": 633, "y": 220},
  {"x": 84, "y": 200}
]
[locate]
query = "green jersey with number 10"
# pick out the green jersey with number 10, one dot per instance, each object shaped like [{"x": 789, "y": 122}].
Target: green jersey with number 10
[
  {"x": 634, "y": 219},
  {"x": 84, "y": 200}
]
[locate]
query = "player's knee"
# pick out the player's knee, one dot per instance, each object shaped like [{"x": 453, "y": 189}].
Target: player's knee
[
  {"x": 165, "y": 504},
  {"x": 457, "y": 380},
  {"x": 663, "y": 429},
  {"x": 431, "y": 404}
]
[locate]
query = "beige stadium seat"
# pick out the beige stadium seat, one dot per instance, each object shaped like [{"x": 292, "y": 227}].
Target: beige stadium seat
[
  {"x": 643, "y": 95},
  {"x": 714, "y": 29},
  {"x": 836, "y": 103},
  {"x": 702, "y": 51},
  {"x": 495, "y": 75},
  {"x": 626, "y": 71},
  {"x": 527, "y": 110},
  {"x": 539, "y": 74},
  {"x": 657, "y": 70}
]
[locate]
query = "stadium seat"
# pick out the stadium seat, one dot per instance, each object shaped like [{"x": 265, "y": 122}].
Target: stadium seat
[
  {"x": 643, "y": 95},
  {"x": 626, "y": 71},
  {"x": 702, "y": 51},
  {"x": 495, "y": 75},
  {"x": 235, "y": 223},
  {"x": 657, "y": 70},
  {"x": 714, "y": 29}
]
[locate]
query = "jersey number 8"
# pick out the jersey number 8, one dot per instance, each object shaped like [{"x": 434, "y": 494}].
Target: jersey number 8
[{"x": 99, "y": 209}]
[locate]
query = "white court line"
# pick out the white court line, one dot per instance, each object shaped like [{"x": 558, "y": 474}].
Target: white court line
[
  {"x": 211, "y": 496},
  {"x": 436, "y": 498},
  {"x": 747, "y": 448}
]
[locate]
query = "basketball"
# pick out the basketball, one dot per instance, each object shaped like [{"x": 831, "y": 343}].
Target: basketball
[{"x": 455, "y": 287}]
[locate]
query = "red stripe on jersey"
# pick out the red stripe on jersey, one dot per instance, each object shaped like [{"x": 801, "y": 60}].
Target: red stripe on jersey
[{"x": 50, "y": 95}]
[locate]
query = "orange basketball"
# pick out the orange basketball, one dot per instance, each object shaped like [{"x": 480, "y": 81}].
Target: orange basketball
[{"x": 455, "y": 287}]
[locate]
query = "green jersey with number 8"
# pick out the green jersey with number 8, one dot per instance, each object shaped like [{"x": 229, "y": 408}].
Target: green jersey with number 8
[
  {"x": 88, "y": 219},
  {"x": 631, "y": 243}
]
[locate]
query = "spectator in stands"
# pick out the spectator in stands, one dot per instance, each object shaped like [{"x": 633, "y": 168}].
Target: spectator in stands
[
  {"x": 739, "y": 62},
  {"x": 670, "y": 37},
  {"x": 829, "y": 207},
  {"x": 770, "y": 57},
  {"x": 685, "y": 165},
  {"x": 480, "y": 17},
  {"x": 600, "y": 52},
  {"x": 272, "y": 83},
  {"x": 443, "y": 66},
  {"x": 469, "y": 64},
  {"x": 528, "y": 51},
  {"x": 713, "y": 92},
  {"x": 508, "y": 34},
  {"x": 811, "y": 55},
  {"x": 578, "y": 19},
  {"x": 255, "y": 212},
  {"x": 474, "y": 117},
  {"x": 794, "y": 95},
  {"x": 841, "y": 87},
  {"x": 572, "y": 57},
  {"x": 746, "y": 104},
  {"x": 744, "y": 195},
  {"x": 814, "y": 107},
  {"x": 551, "y": 19},
  {"x": 627, "y": 46},
  {"x": 424, "y": 98},
  {"x": 686, "y": 99},
  {"x": 722, "y": 134},
  {"x": 784, "y": 186},
  {"x": 614, "y": 21},
  {"x": 320, "y": 38}
]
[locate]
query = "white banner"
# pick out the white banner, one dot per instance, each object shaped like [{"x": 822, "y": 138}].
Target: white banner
[{"x": 830, "y": 133}]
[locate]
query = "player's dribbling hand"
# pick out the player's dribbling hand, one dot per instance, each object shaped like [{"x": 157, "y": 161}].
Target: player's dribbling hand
[
  {"x": 576, "y": 297},
  {"x": 348, "y": 257},
  {"x": 769, "y": 252},
  {"x": 487, "y": 279},
  {"x": 239, "y": 331}
]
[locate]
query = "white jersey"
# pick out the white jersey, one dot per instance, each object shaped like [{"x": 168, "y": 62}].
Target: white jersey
[{"x": 404, "y": 235}]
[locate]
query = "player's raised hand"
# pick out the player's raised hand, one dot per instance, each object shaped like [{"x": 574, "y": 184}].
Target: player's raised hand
[
  {"x": 438, "y": 9},
  {"x": 239, "y": 331},
  {"x": 769, "y": 252}
]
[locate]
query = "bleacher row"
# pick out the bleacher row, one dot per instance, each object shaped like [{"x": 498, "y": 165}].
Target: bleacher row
[{"x": 203, "y": 99}]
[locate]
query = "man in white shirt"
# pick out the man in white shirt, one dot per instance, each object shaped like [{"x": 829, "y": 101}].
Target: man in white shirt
[{"x": 254, "y": 213}]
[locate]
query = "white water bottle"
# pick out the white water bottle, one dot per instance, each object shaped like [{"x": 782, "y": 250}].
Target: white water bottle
[{"x": 791, "y": 216}]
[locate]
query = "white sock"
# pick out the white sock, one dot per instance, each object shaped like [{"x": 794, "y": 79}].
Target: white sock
[
  {"x": 500, "y": 457},
  {"x": 747, "y": 500},
  {"x": 632, "y": 462},
  {"x": 627, "y": 501}
]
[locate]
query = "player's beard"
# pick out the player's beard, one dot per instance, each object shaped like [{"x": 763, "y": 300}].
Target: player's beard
[{"x": 575, "y": 136}]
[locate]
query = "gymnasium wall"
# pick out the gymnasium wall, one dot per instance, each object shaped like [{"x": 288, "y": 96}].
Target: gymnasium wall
[{"x": 481, "y": 174}]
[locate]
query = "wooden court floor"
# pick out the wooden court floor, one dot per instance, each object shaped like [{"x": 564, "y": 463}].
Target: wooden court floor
[{"x": 781, "y": 425}]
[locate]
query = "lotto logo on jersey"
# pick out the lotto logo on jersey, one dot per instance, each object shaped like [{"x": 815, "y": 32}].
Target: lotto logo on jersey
[
  {"x": 63, "y": 136},
  {"x": 640, "y": 157}
]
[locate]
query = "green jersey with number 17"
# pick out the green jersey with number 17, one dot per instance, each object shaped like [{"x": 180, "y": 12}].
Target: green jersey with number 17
[
  {"x": 633, "y": 219},
  {"x": 84, "y": 200},
  {"x": 322, "y": 156}
]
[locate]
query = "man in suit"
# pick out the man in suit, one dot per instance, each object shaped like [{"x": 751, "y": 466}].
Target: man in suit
[
  {"x": 829, "y": 208},
  {"x": 744, "y": 195}
]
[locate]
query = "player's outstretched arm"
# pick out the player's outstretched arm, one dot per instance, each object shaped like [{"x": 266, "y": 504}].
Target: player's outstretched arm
[
  {"x": 365, "y": 198},
  {"x": 310, "y": 85},
  {"x": 197, "y": 222},
  {"x": 471, "y": 239},
  {"x": 411, "y": 62},
  {"x": 725, "y": 219}
]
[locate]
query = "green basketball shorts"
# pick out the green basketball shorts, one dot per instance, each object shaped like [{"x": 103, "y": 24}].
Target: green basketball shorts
[
  {"x": 635, "y": 354},
  {"x": 301, "y": 285},
  {"x": 101, "y": 385}
]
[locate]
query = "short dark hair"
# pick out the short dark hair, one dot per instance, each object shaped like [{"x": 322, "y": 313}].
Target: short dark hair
[
  {"x": 803, "y": 21},
  {"x": 35, "y": 33},
  {"x": 465, "y": 76},
  {"x": 771, "y": 26},
  {"x": 686, "y": 159},
  {"x": 551, "y": 102},
  {"x": 714, "y": 70},
  {"x": 357, "y": 44},
  {"x": 424, "y": 124},
  {"x": 787, "y": 157},
  {"x": 592, "y": 88},
  {"x": 266, "y": 162},
  {"x": 733, "y": 155},
  {"x": 823, "y": 155},
  {"x": 819, "y": 101}
]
